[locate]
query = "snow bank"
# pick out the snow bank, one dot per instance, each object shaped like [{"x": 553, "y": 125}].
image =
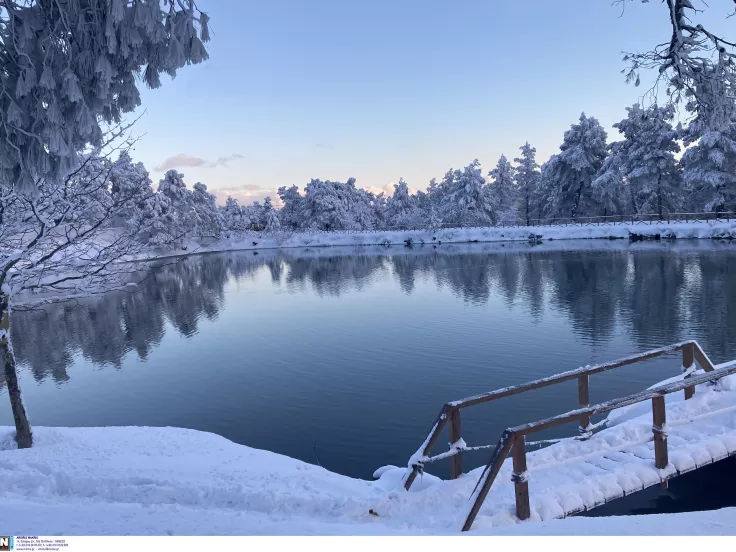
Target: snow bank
[
  {"x": 158, "y": 481},
  {"x": 278, "y": 240}
]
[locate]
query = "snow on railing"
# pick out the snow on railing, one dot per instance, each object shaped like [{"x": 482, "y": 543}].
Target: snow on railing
[{"x": 515, "y": 438}]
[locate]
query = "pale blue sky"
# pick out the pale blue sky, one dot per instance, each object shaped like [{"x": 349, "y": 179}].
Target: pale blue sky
[{"x": 382, "y": 89}]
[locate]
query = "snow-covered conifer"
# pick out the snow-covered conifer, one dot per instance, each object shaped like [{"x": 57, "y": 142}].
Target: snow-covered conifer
[
  {"x": 208, "y": 220},
  {"x": 402, "y": 210},
  {"x": 179, "y": 211},
  {"x": 465, "y": 198},
  {"x": 270, "y": 220},
  {"x": 232, "y": 215},
  {"x": 645, "y": 163},
  {"x": 505, "y": 191},
  {"x": 709, "y": 164},
  {"x": 527, "y": 181},
  {"x": 291, "y": 208},
  {"x": 569, "y": 174}
]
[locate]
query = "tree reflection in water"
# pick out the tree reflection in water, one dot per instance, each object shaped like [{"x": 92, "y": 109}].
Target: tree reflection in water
[{"x": 659, "y": 292}]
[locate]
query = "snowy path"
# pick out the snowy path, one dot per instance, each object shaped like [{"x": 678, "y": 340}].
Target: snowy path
[{"x": 176, "y": 481}]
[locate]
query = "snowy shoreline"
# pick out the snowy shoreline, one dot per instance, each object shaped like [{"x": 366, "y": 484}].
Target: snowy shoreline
[
  {"x": 172, "y": 481},
  {"x": 257, "y": 241},
  {"x": 678, "y": 235}
]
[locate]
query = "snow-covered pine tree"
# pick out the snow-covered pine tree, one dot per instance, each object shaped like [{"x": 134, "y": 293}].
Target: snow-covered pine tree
[
  {"x": 423, "y": 203},
  {"x": 70, "y": 67},
  {"x": 253, "y": 216},
  {"x": 709, "y": 172},
  {"x": 208, "y": 220},
  {"x": 402, "y": 210},
  {"x": 332, "y": 205},
  {"x": 232, "y": 215},
  {"x": 270, "y": 221},
  {"x": 433, "y": 210},
  {"x": 179, "y": 211},
  {"x": 505, "y": 190},
  {"x": 569, "y": 174},
  {"x": 291, "y": 212},
  {"x": 709, "y": 164},
  {"x": 608, "y": 188},
  {"x": 465, "y": 198},
  {"x": 360, "y": 207},
  {"x": 379, "y": 210},
  {"x": 527, "y": 181},
  {"x": 131, "y": 185},
  {"x": 651, "y": 171},
  {"x": 162, "y": 222}
]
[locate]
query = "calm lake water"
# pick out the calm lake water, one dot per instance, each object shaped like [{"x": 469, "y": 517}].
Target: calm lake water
[{"x": 343, "y": 357}]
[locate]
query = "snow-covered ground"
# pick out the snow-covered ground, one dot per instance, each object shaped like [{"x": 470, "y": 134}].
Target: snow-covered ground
[
  {"x": 157, "y": 481},
  {"x": 278, "y": 240}
]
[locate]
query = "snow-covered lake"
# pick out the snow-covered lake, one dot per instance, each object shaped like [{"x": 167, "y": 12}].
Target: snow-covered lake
[{"x": 343, "y": 357}]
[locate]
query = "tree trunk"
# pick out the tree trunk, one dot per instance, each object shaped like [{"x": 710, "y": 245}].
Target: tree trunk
[
  {"x": 659, "y": 196},
  {"x": 23, "y": 435},
  {"x": 578, "y": 195},
  {"x": 528, "y": 222},
  {"x": 634, "y": 208}
]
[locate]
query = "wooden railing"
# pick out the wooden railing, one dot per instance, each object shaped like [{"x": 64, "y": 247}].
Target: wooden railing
[{"x": 513, "y": 440}]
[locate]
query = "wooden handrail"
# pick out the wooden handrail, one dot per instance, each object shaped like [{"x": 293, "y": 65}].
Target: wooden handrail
[
  {"x": 451, "y": 411},
  {"x": 512, "y": 436},
  {"x": 703, "y": 360},
  {"x": 605, "y": 407}
]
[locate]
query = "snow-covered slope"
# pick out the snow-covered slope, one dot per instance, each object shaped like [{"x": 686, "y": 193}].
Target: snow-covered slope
[{"x": 150, "y": 481}]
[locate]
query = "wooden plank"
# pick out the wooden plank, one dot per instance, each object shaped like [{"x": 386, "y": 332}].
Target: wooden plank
[
  {"x": 584, "y": 402},
  {"x": 702, "y": 358},
  {"x": 521, "y": 479},
  {"x": 659, "y": 420},
  {"x": 688, "y": 360},
  {"x": 489, "y": 475},
  {"x": 456, "y": 462},
  {"x": 431, "y": 442}
]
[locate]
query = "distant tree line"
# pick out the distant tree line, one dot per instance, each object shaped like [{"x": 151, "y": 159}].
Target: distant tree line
[{"x": 639, "y": 174}]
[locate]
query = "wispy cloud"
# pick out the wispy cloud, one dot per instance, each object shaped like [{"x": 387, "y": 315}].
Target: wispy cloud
[
  {"x": 226, "y": 159},
  {"x": 184, "y": 160},
  {"x": 181, "y": 160}
]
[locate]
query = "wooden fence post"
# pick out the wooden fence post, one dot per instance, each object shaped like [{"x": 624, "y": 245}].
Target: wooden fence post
[
  {"x": 520, "y": 477},
  {"x": 456, "y": 462},
  {"x": 688, "y": 359},
  {"x": 584, "y": 402},
  {"x": 432, "y": 438},
  {"x": 659, "y": 428}
]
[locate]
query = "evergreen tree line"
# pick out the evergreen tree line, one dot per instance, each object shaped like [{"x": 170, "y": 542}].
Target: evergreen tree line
[
  {"x": 643, "y": 173},
  {"x": 639, "y": 174}
]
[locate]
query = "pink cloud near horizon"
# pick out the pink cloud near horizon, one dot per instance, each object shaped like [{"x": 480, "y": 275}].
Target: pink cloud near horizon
[
  {"x": 246, "y": 194},
  {"x": 184, "y": 160}
]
